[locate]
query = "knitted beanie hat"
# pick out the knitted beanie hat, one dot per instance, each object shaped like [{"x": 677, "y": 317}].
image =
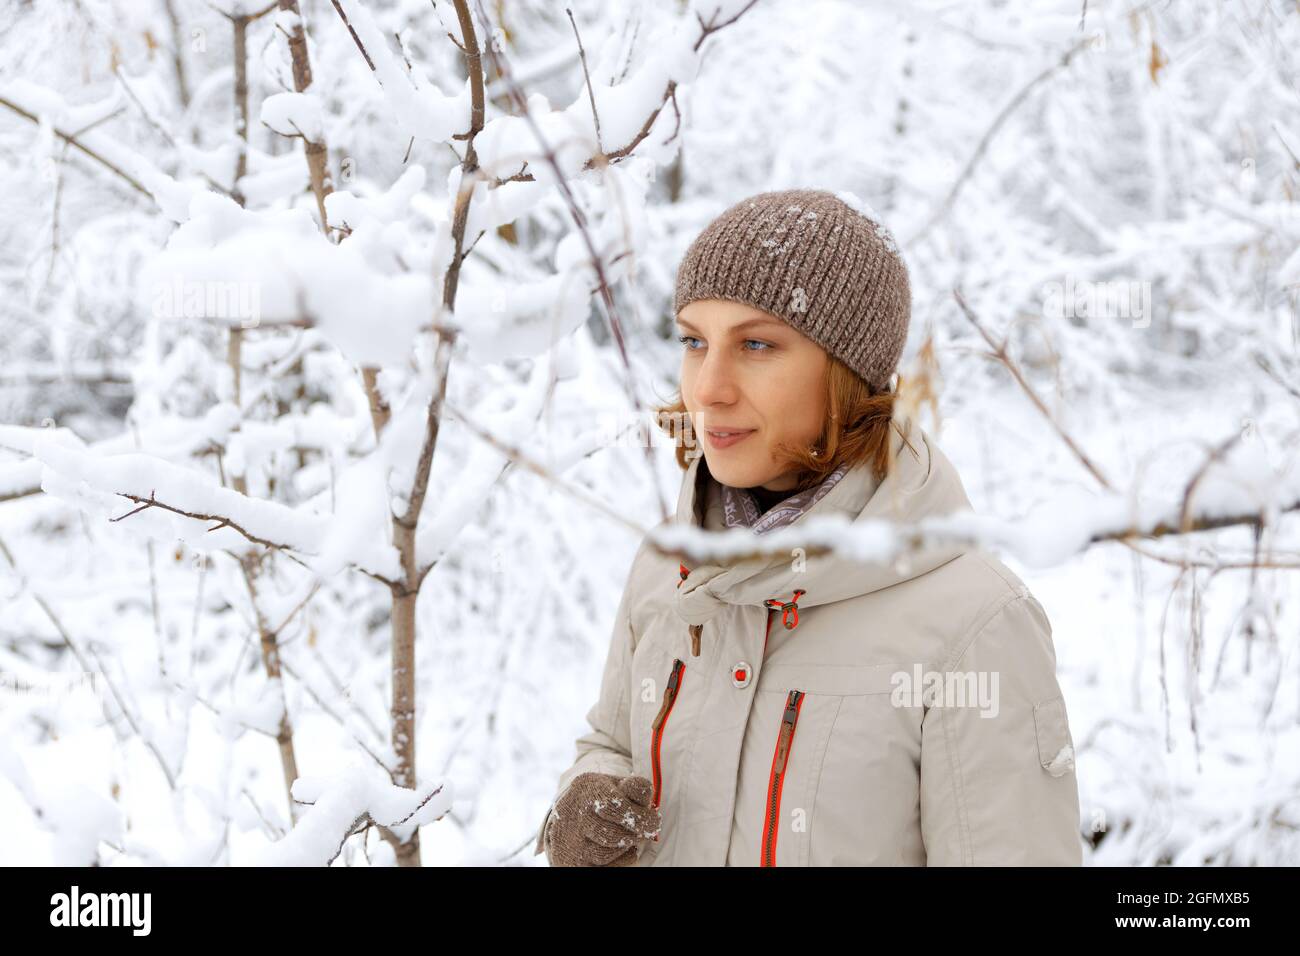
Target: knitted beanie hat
[{"x": 821, "y": 261}]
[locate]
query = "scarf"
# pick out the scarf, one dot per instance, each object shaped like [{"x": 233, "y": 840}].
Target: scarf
[{"x": 741, "y": 507}]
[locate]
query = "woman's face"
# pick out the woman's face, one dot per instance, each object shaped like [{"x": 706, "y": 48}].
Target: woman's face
[{"x": 746, "y": 371}]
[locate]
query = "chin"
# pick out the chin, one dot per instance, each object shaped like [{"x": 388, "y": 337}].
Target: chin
[{"x": 737, "y": 474}]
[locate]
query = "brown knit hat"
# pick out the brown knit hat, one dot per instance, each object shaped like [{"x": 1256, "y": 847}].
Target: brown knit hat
[{"x": 822, "y": 261}]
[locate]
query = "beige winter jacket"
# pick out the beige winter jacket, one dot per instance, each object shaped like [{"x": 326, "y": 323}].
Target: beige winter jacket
[{"x": 799, "y": 735}]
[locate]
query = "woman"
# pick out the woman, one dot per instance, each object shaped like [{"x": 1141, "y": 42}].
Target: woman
[{"x": 811, "y": 710}]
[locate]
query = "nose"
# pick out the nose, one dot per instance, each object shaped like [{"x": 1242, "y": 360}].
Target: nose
[{"x": 715, "y": 381}]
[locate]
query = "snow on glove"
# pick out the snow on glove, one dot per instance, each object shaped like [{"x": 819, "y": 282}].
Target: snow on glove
[{"x": 601, "y": 820}]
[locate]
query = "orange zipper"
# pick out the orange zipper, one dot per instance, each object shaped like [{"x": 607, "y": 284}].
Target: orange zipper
[
  {"x": 661, "y": 718},
  {"x": 776, "y": 780}
]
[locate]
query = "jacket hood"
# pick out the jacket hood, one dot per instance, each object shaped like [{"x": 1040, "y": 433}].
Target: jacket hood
[{"x": 921, "y": 482}]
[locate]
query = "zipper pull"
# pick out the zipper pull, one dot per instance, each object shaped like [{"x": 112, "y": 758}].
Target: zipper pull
[
  {"x": 670, "y": 693},
  {"x": 787, "y": 729},
  {"x": 792, "y": 707},
  {"x": 674, "y": 678}
]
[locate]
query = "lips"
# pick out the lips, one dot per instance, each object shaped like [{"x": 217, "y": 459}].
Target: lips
[{"x": 726, "y": 437}]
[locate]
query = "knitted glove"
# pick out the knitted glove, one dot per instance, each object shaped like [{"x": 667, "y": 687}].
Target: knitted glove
[{"x": 601, "y": 820}]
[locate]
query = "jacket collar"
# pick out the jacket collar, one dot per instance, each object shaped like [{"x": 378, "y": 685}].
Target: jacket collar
[{"x": 921, "y": 482}]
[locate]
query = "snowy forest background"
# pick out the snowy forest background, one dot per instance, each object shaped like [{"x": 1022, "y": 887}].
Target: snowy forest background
[{"x": 230, "y": 524}]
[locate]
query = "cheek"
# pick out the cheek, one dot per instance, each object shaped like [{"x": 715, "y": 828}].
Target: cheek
[
  {"x": 814, "y": 415},
  {"x": 799, "y": 407}
]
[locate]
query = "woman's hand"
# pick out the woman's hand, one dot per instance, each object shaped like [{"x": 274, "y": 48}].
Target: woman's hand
[{"x": 601, "y": 820}]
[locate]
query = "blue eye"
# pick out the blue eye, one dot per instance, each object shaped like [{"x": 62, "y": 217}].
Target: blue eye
[{"x": 763, "y": 346}]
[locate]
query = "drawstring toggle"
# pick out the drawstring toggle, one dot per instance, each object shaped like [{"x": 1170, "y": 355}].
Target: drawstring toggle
[{"x": 786, "y": 608}]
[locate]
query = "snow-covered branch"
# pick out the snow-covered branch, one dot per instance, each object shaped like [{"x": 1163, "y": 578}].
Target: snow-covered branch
[
  {"x": 347, "y": 803},
  {"x": 1050, "y": 535}
]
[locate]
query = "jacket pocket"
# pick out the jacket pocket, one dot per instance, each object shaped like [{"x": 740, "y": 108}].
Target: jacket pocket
[
  {"x": 1055, "y": 745},
  {"x": 776, "y": 777},
  {"x": 671, "y": 690},
  {"x": 861, "y": 750}
]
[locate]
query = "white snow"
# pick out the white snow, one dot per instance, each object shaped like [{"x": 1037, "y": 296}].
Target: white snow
[
  {"x": 294, "y": 114},
  {"x": 863, "y": 208}
]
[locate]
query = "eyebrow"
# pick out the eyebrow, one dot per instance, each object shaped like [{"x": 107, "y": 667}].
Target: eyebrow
[{"x": 748, "y": 323}]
